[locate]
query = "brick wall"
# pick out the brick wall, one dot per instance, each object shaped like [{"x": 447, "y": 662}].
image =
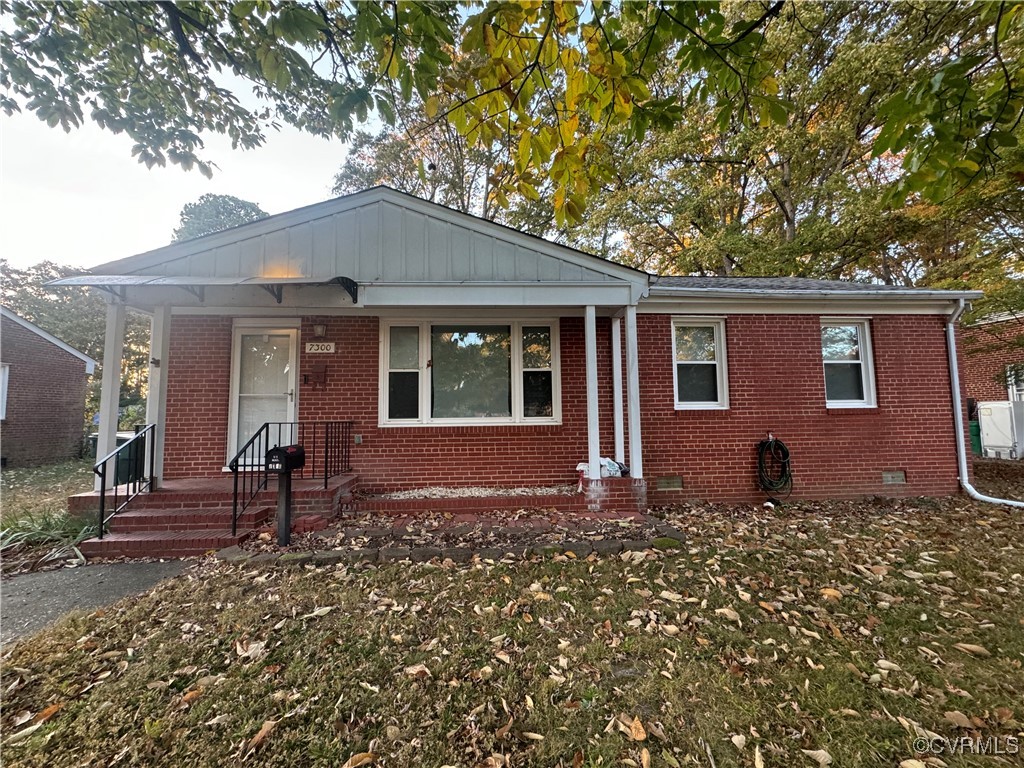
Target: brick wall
[
  {"x": 987, "y": 350},
  {"x": 45, "y": 399},
  {"x": 776, "y": 383},
  {"x": 198, "y": 391}
]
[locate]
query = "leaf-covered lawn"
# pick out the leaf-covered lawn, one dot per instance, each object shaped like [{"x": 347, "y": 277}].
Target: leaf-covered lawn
[{"x": 820, "y": 632}]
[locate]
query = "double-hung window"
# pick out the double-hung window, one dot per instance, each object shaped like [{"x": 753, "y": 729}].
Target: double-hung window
[
  {"x": 699, "y": 368},
  {"x": 469, "y": 372},
  {"x": 846, "y": 355}
]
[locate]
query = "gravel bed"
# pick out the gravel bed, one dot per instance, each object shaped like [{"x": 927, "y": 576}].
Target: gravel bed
[{"x": 466, "y": 492}]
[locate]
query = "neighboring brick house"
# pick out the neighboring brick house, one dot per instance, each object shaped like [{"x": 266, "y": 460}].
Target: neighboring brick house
[
  {"x": 467, "y": 353},
  {"x": 42, "y": 394},
  {"x": 990, "y": 348}
]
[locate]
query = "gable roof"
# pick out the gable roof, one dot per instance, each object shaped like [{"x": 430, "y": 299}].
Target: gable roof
[
  {"x": 376, "y": 235},
  {"x": 90, "y": 364}
]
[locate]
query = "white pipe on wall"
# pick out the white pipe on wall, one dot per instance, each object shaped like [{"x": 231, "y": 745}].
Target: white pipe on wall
[{"x": 958, "y": 414}]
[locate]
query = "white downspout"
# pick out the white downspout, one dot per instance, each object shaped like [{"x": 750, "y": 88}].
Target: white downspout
[{"x": 958, "y": 415}]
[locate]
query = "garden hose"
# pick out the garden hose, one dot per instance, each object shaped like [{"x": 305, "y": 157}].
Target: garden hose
[{"x": 773, "y": 471}]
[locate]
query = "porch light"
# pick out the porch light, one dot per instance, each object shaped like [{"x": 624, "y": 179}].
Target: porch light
[{"x": 319, "y": 330}]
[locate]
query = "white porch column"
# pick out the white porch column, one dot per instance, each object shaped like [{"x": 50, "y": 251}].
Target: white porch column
[
  {"x": 156, "y": 402},
  {"x": 636, "y": 461},
  {"x": 110, "y": 386},
  {"x": 593, "y": 420},
  {"x": 620, "y": 441}
]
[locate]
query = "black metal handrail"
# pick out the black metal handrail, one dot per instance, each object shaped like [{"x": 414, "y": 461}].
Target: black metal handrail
[
  {"x": 133, "y": 452},
  {"x": 328, "y": 451}
]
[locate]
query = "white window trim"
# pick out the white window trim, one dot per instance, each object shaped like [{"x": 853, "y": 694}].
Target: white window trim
[
  {"x": 425, "y": 372},
  {"x": 867, "y": 361},
  {"x": 721, "y": 363},
  {"x": 5, "y": 375}
]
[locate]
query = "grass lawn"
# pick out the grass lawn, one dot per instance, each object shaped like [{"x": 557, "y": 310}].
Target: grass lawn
[
  {"x": 832, "y": 632},
  {"x": 35, "y": 527}
]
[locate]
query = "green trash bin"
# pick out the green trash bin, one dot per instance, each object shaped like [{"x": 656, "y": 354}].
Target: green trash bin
[{"x": 975, "y": 437}]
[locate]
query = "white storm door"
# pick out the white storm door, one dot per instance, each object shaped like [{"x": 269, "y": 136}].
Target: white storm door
[{"x": 263, "y": 381}]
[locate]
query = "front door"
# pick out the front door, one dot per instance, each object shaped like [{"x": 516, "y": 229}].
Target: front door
[{"x": 263, "y": 381}]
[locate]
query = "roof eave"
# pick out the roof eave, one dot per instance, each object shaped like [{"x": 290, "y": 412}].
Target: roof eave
[{"x": 910, "y": 294}]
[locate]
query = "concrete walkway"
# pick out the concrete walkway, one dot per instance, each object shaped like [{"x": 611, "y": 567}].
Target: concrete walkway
[{"x": 30, "y": 602}]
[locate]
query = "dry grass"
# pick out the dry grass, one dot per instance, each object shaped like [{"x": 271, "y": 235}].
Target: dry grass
[{"x": 847, "y": 629}]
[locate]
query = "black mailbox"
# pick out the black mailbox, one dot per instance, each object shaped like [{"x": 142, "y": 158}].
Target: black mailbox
[{"x": 285, "y": 458}]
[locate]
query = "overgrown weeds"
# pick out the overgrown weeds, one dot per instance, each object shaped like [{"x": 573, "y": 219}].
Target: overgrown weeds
[{"x": 36, "y": 529}]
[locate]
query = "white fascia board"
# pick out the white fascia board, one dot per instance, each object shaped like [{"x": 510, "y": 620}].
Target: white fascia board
[
  {"x": 669, "y": 293},
  {"x": 90, "y": 364},
  {"x": 775, "y": 304},
  {"x": 495, "y": 294}
]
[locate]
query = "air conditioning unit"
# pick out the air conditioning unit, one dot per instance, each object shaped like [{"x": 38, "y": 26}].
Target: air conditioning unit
[{"x": 1002, "y": 429}]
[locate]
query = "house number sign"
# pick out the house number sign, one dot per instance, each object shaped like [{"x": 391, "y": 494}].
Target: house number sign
[{"x": 319, "y": 347}]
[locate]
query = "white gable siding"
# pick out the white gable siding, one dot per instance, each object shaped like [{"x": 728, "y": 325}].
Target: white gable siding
[{"x": 379, "y": 242}]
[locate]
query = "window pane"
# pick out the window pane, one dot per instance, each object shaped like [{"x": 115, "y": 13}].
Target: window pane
[
  {"x": 537, "y": 347},
  {"x": 403, "y": 395},
  {"x": 840, "y": 342},
  {"x": 694, "y": 342},
  {"x": 405, "y": 348},
  {"x": 471, "y": 371},
  {"x": 537, "y": 394},
  {"x": 266, "y": 363},
  {"x": 843, "y": 381},
  {"x": 696, "y": 383}
]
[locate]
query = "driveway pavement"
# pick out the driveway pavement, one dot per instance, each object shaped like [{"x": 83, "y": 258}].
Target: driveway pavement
[{"x": 30, "y": 602}]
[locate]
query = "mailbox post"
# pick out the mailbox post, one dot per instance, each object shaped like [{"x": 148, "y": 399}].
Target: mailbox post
[{"x": 281, "y": 460}]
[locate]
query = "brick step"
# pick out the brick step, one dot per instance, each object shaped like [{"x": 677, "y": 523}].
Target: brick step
[
  {"x": 136, "y": 520},
  {"x": 159, "y": 543}
]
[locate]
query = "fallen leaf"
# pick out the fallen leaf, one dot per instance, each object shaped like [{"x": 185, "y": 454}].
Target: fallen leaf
[
  {"x": 419, "y": 671},
  {"x": 912, "y": 764},
  {"x": 361, "y": 758},
  {"x": 23, "y": 734},
  {"x": 253, "y": 744},
  {"x": 831, "y": 594},
  {"x": 532, "y": 736},
  {"x": 47, "y": 713},
  {"x": 820, "y": 756},
  {"x": 730, "y": 614},
  {"x": 959, "y": 719},
  {"x": 758, "y": 759},
  {"x": 636, "y": 730},
  {"x": 645, "y": 758},
  {"x": 738, "y": 740},
  {"x": 316, "y": 615},
  {"x": 973, "y": 650}
]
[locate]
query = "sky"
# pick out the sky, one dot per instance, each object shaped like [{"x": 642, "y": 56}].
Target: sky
[{"x": 81, "y": 199}]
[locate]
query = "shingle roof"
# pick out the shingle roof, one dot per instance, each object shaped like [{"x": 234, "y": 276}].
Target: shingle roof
[{"x": 770, "y": 284}]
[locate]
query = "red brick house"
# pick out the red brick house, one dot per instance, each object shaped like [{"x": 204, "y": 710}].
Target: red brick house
[
  {"x": 992, "y": 348},
  {"x": 42, "y": 394},
  {"x": 467, "y": 353}
]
